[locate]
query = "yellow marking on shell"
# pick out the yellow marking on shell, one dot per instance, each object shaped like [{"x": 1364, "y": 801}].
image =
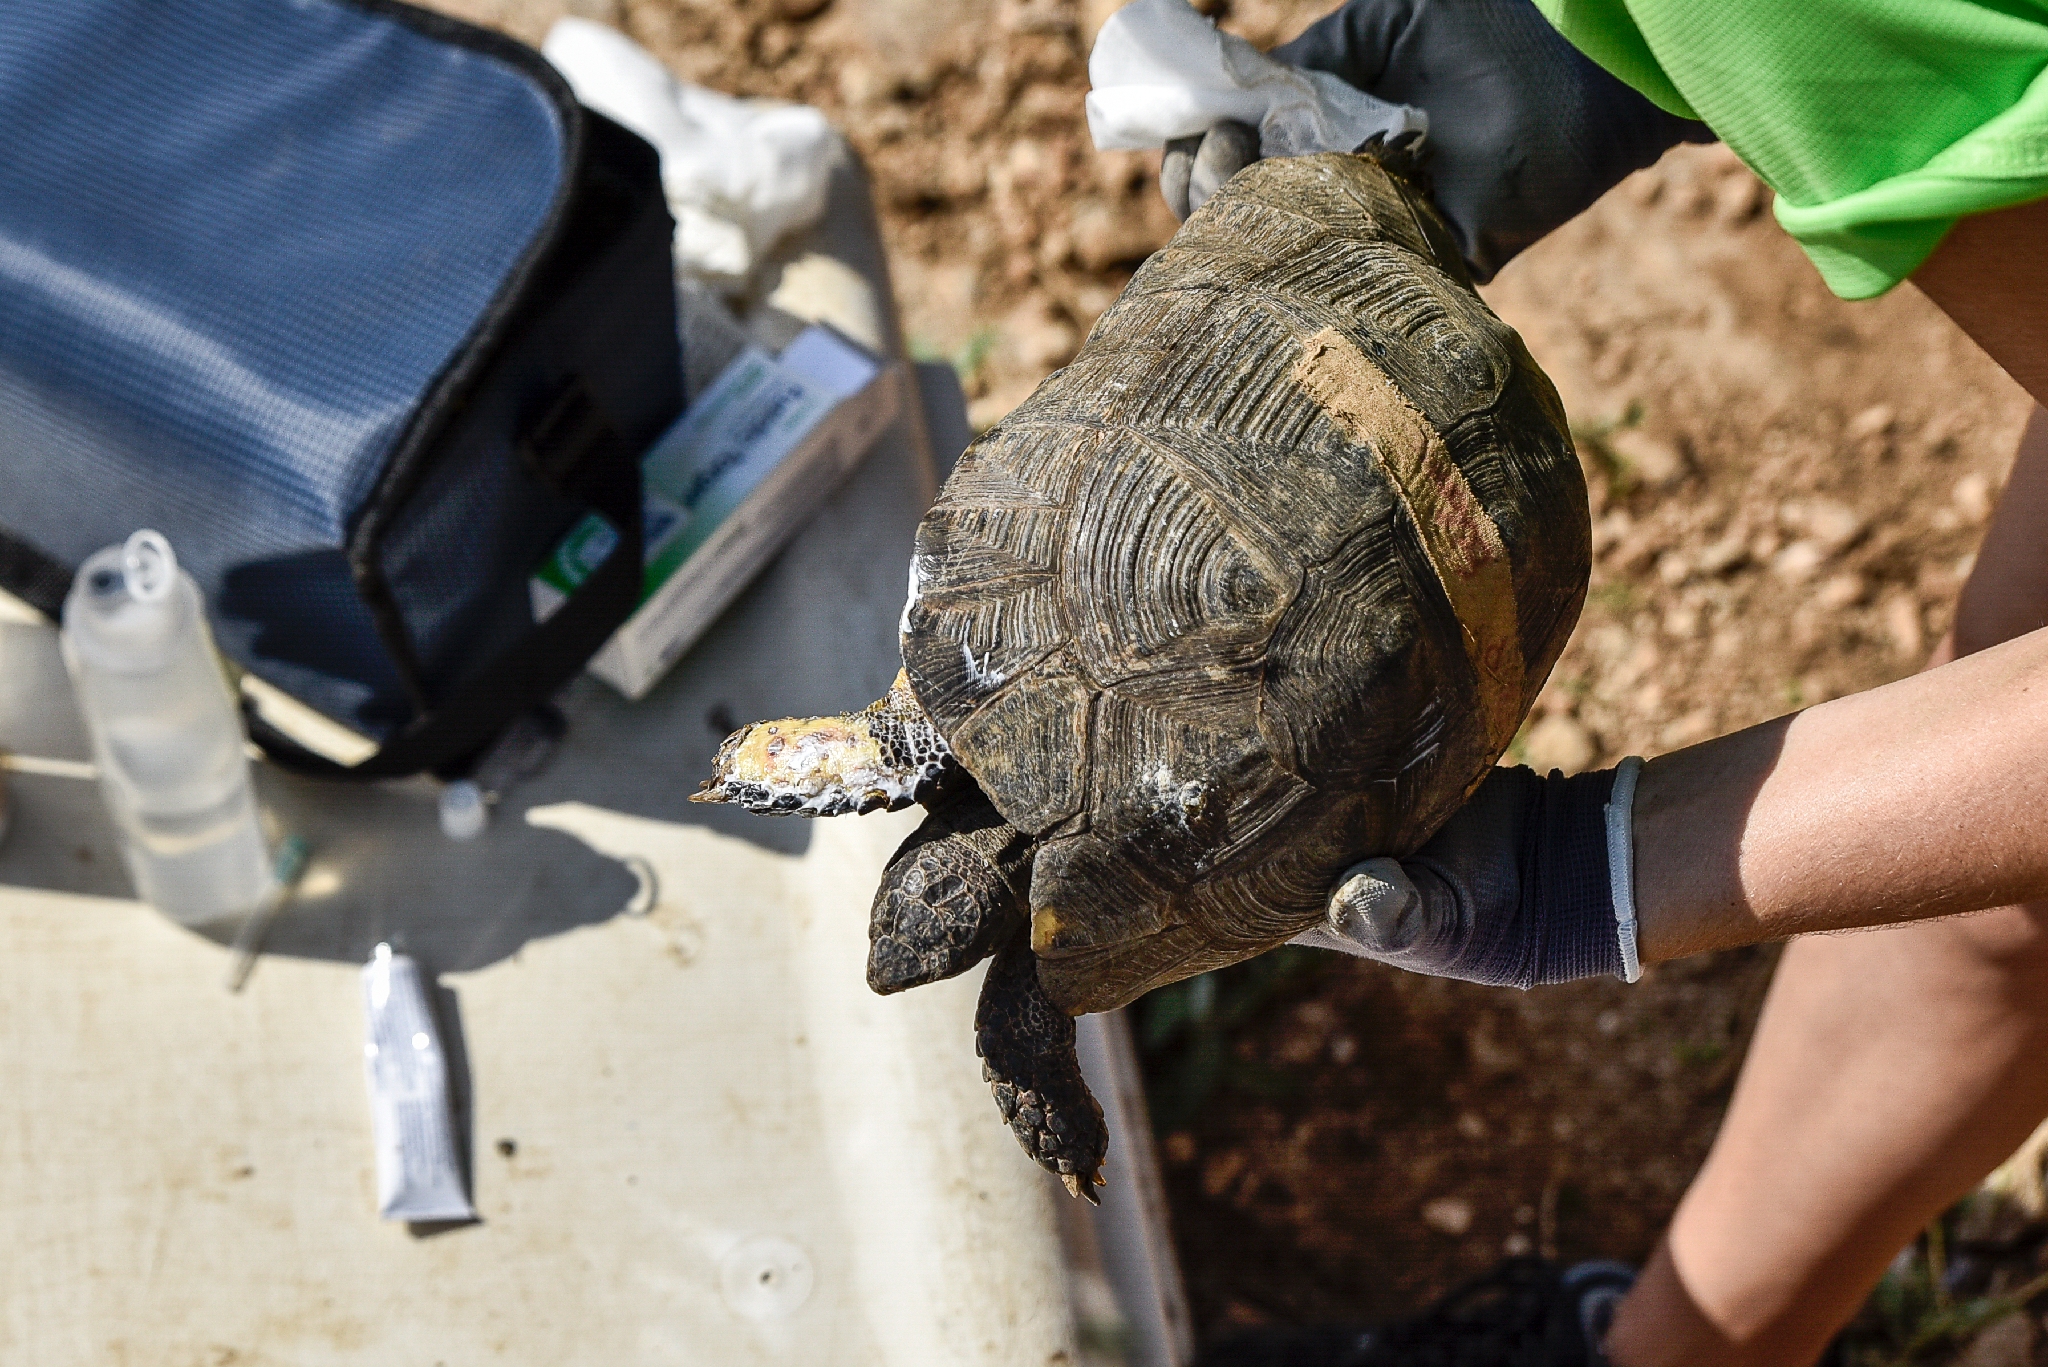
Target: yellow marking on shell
[
  {"x": 1045, "y": 927},
  {"x": 1461, "y": 540}
]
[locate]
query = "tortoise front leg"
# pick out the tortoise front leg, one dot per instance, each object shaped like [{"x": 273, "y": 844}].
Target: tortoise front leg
[
  {"x": 1027, "y": 1049},
  {"x": 953, "y": 892}
]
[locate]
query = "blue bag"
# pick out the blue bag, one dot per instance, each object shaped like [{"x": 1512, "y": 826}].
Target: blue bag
[{"x": 356, "y": 305}]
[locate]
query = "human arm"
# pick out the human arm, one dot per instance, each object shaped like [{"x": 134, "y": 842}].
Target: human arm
[
  {"x": 1921, "y": 798},
  {"x": 1795, "y": 825},
  {"x": 1695, "y": 890},
  {"x": 1841, "y": 800},
  {"x": 1891, "y": 805}
]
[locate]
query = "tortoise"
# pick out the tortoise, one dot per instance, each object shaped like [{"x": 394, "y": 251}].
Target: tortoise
[{"x": 1259, "y": 585}]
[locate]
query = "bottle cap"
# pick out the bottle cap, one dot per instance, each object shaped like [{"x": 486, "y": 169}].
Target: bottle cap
[
  {"x": 124, "y": 610},
  {"x": 462, "y": 810}
]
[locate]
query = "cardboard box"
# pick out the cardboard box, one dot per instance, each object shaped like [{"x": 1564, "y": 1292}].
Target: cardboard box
[{"x": 724, "y": 489}]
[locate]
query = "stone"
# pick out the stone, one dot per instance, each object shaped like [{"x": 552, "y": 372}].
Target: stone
[
  {"x": 1842, "y": 591},
  {"x": 1107, "y": 235},
  {"x": 1042, "y": 340},
  {"x": 1874, "y": 421},
  {"x": 1740, "y": 197},
  {"x": 2007, "y": 1342},
  {"x": 1689, "y": 729},
  {"x": 1902, "y": 624},
  {"x": 1721, "y": 556},
  {"x": 1834, "y": 525},
  {"x": 1973, "y": 496},
  {"x": 1559, "y": 742},
  {"x": 1798, "y": 561},
  {"x": 1656, "y": 462},
  {"x": 1450, "y": 1215}
]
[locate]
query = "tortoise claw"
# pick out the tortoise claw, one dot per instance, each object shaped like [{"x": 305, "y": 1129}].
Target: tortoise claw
[{"x": 1075, "y": 1187}]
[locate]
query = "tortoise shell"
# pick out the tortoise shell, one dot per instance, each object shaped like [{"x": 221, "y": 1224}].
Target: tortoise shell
[{"x": 1260, "y": 585}]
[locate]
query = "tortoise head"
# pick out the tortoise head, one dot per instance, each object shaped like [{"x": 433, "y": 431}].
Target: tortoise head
[{"x": 882, "y": 758}]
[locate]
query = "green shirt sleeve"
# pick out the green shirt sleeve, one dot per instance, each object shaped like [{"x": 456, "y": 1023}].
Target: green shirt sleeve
[{"x": 1879, "y": 123}]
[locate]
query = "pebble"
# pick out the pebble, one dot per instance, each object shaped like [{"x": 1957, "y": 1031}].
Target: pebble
[
  {"x": 1043, "y": 341},
  {"x": 1842, "y": 591},
  {"x": 1611, "y": 530},
  {"x": 1739, "y": 198},
  {"x": 1724, "y": 555},
  {"x": 1652, "y": 460},
  {"x": 1902, "y": 623},
  {"x": 1682, "y": 622},
  {"x": 2007, "y": 1342},
  {"x": 1558, "y": 742},
  {"x": 1798, "y": 561},
  {"x": 1873, "y": 421},
  {"x": 1689, "y": 729},
  {"x": 1220, "y": 1172},
  {"x": 1450, "y": 1215},
  {"x": 1973, "y": 496},
  {"x": 1834, "y": 525},
  {"x": 1105, "y": 236}
]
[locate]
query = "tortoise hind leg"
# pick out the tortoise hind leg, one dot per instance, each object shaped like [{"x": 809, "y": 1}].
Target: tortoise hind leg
[
  {"x": 953, "y": 891},
  {"x": 1027, "y": 1049}
]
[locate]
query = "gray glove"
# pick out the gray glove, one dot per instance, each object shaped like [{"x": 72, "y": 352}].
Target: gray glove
[
  {"x": 1525, "y": 131},
  {"x": 1513, "y": 891}
]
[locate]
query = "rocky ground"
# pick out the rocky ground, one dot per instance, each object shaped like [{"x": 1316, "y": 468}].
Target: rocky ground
[{"x": 1787, "y": 490}]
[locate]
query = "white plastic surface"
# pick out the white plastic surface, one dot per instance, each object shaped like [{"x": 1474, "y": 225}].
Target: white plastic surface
[
  {"x": 189, "y": 1174},
  {"x": 694, "y": 1135}
]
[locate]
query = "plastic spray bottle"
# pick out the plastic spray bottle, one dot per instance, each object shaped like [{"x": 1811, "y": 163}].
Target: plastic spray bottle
[{"x": 165, "y": 733}]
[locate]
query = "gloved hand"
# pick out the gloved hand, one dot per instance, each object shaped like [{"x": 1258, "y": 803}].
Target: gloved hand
[
  {"x": 1516, "y": 889},
  {"x": 1525, "y": 131}
]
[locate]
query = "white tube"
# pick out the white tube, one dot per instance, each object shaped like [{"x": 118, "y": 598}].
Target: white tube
[{"x": 417, "y": 1175}]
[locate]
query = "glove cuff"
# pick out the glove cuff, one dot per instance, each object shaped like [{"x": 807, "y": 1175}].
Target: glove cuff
[{"x": 1567, "y": 887}]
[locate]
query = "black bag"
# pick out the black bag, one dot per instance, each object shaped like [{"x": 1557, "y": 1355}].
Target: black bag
[{"x": 357, "y": 306}]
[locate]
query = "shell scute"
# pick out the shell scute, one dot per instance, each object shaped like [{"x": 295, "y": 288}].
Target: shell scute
[{"x": 1257, "y": 586}]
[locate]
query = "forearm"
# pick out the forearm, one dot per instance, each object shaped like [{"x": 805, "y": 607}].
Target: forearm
[{"x": 1926, "y": 797}]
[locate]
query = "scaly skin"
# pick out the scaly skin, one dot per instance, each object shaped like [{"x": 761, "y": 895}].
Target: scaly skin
[
  {"x": 1027, "y": 1055},
  {"x": 953, "y": 893}
]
